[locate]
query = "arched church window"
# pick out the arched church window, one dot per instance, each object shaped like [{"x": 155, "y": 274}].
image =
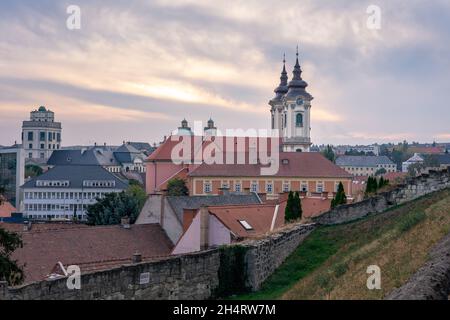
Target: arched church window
[
  {"x": 299, "y": 120},
  {"x": 273, "y": 122},
  {"x": 285, "y": 120}
]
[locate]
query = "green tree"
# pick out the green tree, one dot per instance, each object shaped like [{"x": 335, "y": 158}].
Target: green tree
[
  {"x": 137, "y": 192},
  {"x": 329, "y": 153},
  {"x": 340, "y": 197},
  {"x": 293, "y": 210},
  {"x": 381, "y": 171},
  {"x": 288, "y": 211},
  {"x": 32, "y": 170},
  {"x": 372, "y": 185},
  {"x": 110, "y": 209},
  {"x": 177, "y": 187},
  {"x": 10, "y": 271},
  {"x": 297, "y": 207}
]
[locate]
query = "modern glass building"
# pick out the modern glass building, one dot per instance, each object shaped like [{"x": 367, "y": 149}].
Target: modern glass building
[{"x": 12, "y": 173}]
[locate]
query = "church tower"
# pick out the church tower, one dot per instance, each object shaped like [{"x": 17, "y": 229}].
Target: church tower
[{"x": 291, "y": 111}]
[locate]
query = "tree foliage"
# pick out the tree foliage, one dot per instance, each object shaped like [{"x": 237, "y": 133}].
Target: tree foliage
[
  {"x": 340, "y": 197},
  {"x": 293, "y": 210},
  {"x": 177, "y": 187},
  {"x": 373, "y": 185},
  {"x": 10, "y": 271},
  {"x": 137, "y": 192},
  {"x": 329, "y": 153},
  {"x": 32, "y": 170},
  {"x": 110, "y": 209},
  {"x": 380, "y": 172}
]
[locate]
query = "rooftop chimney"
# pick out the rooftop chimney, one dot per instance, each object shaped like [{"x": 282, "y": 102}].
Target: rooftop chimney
[
  {"x": 27, "y": 226},
  {"x": 137, "y": 257},
  {"x": 125, "y": 222},
  {"x": 204, "y": 228}
]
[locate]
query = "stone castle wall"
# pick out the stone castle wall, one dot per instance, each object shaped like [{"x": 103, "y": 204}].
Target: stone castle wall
[
  {"x": 195, "y": 276},
  {"x": 264, "y": 256},
  {"x": 191, "y": 276},
  {"x": 414, "y": 188}
]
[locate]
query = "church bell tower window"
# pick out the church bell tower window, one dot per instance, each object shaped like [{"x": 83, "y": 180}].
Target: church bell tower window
[{"x": 299, "y": 120}]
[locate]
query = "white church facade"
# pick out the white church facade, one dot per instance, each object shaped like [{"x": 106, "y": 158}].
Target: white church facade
[{"x": 291, "y": 111}]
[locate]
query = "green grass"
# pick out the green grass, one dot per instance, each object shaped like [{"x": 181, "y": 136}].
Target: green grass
[
  {"x": 411, "y": 220},
  {"x": 314, "y": 251},
  {"x": 332, "y": 259}
]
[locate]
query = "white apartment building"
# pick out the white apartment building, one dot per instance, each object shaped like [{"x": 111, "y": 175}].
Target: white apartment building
[
  {"x": 41, "y": 134},
  {"x": 65, "y": 191},
  {"x": 365, "y": 165}
]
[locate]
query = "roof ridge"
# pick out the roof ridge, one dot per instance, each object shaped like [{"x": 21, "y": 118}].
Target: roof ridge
[{"x": 85, "y": 227}]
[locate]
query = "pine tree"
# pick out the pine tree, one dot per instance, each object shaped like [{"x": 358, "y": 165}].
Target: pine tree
[
  {"x": 297, "y": 207},
  {"x": 381, "y": 183},
  {"x": 340, "y": 197},
  {"x": 288, "y": 212},
  {"x": 372, "y": 185}
]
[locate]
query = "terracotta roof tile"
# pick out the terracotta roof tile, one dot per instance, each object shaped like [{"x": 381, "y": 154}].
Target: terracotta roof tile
[
  {"x": 292, "y": 164},
  {"x": 259, "y": 217},
  {"x": 6, "y": 209},
  {"x": 92, "y": 247}
]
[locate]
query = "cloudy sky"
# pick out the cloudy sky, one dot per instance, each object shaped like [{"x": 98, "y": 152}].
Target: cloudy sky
[{"x": 136, "y": 68}]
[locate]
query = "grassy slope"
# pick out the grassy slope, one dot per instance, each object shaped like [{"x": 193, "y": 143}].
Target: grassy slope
[{"x": 332, "y": 262}]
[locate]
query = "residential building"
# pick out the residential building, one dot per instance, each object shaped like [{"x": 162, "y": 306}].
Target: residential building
[
  {"x": 372, "y": 149},
  {"x": 213, "y": 226},
  {"x": 425, "y": 150},
  {"x": 168, "y": 210},
  {"x": 6, "y": 209},
  {"x": 130, "y": 158},
  {"x": 125, "y": 158},
  {"x": 41, "y": 135},
  {"x": 91, "y": 248},
  {"x": 443, "y": 160},
  {"x": 66, "y": 191},
  {"x": 143, "y": 147},
  {"x": 12, "y": 173},
  {"x": 416, "y": 158},
  {"x": 309, "y": 173},
  {"x": 365, "y": 165},
  {"x": 291, "y": 111}
]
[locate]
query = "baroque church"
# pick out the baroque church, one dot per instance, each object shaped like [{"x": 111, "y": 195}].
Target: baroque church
[{"x": 291, "y": 111}]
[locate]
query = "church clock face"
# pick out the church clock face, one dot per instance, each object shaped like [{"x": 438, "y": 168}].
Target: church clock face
[{"x": 299, "y": 101}]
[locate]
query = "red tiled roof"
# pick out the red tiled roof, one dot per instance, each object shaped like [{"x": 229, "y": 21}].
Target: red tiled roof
[
  {"x": 258, "y": 216},
  {"x": 300, "y": 164},
  {"x": 164, "y": 151},
  {"x": 393, "y": 176},
  {"x": 6, "y": 209},
  {"x": 95, "y": 248},
  {"x": 426, "y": 150}
]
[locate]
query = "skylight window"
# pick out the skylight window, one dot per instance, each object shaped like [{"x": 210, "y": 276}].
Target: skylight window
[{"x": 246, "y": 225}]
